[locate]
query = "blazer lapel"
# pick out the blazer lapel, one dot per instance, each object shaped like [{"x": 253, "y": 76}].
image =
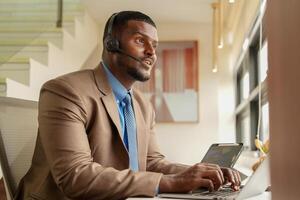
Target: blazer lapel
[
  {"x": 111, "y": 107},
  {"x": 140, "y": 131},
  {"x": 108, "y": 97},
  {"x": 108, "y": 100}
]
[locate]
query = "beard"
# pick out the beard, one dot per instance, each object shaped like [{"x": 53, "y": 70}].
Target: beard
[
  {"x": 135, "y": 71},
  {"x": 137, "y": 74}
]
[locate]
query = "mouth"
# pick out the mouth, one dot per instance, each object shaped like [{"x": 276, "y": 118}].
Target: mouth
[{"x": 148, "y": 61}]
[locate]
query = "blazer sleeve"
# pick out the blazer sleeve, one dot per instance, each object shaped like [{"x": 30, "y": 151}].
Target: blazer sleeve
[
  {"x": 62, "y": 119},
  {"x": 156, "y": 161}
]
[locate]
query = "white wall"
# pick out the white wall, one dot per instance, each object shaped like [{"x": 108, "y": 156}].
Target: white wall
[{"x": 188, "y": 142}]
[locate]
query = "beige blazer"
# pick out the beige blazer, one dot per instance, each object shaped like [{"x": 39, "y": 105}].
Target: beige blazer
[{"x": 79, "y": 152}]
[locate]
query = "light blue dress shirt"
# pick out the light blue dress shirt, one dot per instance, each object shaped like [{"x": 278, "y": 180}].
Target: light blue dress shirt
[{"x": 120, "y": 92}]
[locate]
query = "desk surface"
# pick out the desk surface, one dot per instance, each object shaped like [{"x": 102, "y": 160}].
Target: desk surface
[{"x": 264, "y": 196}]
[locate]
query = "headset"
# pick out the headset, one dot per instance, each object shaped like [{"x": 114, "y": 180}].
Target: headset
[{"x": 112, "y": 44}]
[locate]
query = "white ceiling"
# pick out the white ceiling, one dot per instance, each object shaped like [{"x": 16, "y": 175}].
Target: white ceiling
[{"x": 186, "y": 11}]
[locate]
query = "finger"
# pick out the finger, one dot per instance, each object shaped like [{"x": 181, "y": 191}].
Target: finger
[
  {"x": 237, "y": 177},
  {"x": 210, "y": 172},
  {"x": 206, "y": 183},
  {"x": 214, "y": 176},
  {"x": 229, "y": 175},
  {"x": 235, "y": 186},
  {"x": 216, "y": 167}
]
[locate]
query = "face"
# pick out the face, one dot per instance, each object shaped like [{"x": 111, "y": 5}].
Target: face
[{"x": 138, "y": 39}]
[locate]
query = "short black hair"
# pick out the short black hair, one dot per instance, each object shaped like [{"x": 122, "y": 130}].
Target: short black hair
[{"x": 123, "y": 17}]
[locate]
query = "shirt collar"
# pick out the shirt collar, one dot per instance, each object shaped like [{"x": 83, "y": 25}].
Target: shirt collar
[{"x": 118, "y": 89}]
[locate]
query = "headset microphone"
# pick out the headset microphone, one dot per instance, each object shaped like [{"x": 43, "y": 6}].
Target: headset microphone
[{"x": 130, "y": 56}]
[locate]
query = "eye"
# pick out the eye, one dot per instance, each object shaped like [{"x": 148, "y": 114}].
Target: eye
[{"x": 140, "y": 40}]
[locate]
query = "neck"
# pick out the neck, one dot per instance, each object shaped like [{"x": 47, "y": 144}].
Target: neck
[{"x": 120, "y": 74}]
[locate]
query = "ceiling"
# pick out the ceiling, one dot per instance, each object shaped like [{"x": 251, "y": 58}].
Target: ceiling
[{"x": 161, "y": 11}]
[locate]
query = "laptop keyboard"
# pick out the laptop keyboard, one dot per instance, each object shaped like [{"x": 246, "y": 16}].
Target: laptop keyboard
[{"x": 222, "y": 192}]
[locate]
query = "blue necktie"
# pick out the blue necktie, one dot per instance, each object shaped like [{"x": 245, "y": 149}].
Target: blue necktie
[{"x": 130, "y": 133}]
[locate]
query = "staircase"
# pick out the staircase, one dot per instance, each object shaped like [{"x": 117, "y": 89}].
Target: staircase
[{"x": 33, "y": 50}]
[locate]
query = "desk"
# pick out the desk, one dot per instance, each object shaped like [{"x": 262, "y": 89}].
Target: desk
[{"x": 264, "y": 196}]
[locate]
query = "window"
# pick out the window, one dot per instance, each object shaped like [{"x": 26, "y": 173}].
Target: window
[
  {"x": 245, "y": 86},
  {"x": 263, "y": 65},
  {"x": 264, "y": 134},
  {"x": 245, "y": 131},
  {"x": 251, "y": 92}
]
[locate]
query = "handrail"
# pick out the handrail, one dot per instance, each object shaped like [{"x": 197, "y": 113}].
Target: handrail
[{"x": 59, "y": 13}]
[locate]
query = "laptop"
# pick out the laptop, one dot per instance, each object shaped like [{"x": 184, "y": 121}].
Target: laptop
[
  {"x": 257, "y": 184},
  {"x": 224, "y": 155}
]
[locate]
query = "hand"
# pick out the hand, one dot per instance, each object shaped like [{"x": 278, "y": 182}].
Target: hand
[
  {"x": 205, "y": 175},
  {"x": 232, "y": 176}
]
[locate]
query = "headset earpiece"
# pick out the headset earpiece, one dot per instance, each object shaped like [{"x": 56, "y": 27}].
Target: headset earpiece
[{"x": 110, "y": 42}]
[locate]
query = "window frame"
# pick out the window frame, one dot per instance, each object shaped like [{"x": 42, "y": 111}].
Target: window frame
[{"x": 249, "y": 62}]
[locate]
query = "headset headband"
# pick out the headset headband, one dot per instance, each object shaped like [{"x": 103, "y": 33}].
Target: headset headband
[{"x": 111, "y": 23}]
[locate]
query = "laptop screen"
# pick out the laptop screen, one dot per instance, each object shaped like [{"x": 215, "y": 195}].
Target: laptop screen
[{"x": 224, "y": 155}]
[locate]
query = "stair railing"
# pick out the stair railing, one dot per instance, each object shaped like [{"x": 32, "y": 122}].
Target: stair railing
[
  {"x": 59, "y": 13},
  {"x": 26, "y": 27}
]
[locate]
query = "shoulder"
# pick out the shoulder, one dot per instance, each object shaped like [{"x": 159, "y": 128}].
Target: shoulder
[
  {"x": 79, "y": 81},
  {"x": 73, "y": 79},
  {"x": 78, "y": 88}
]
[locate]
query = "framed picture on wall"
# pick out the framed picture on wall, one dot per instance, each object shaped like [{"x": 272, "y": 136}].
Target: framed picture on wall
[{"x": 173, "y": 86}]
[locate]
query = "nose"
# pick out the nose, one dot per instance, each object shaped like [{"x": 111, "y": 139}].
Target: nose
[{"x": 149, "y": 50}]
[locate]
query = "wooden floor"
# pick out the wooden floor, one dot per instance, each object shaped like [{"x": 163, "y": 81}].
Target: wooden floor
[{"x": 2, "y": 190}]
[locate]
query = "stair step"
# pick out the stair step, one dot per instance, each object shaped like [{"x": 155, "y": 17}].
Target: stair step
[
  {"x": 50, "y": 9},
  {"x": 30, "y": 41},
  {"x": 18, "y": 29},
  {"x": 15, "y": 66},
  {"x": 38, "y": 13},
  {"x": 36, "y": 1},
  {"x": 39, "y": 40},
  {"x": 38, "y": 6},
  {"x": 23, "y": 42},
  {"x": 23, "y": 55},
  {"x": 41, "y": 35},
  {"x": 13, "y": 59},
  {"x": 16, "y": 48},
  {"x": 16, "y": 71},
  {"x": 33, "y": 2},
  {"x": 32, "y": 25},
  {"x": 33, "y": 18}
]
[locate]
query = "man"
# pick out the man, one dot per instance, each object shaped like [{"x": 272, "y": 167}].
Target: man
[{"x": 96, "y": 138}]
